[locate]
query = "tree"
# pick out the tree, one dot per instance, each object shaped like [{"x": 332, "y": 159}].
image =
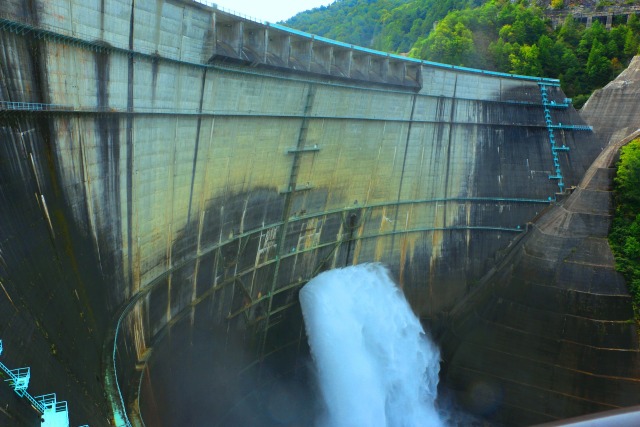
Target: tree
[
  {"x": 571, "y": 31},
  {"x": 631, "y": 44},
  {"x": 596, "y": 32},
  {"x": 616, "y": 66},
  {"x": 557, "y": 4},
  {"x": 598, "y": 65},
  {"x": 512, "y": 34},
  {"x": 448, "y": 44},
  {"x": 617, "y": 38},
  {"x": 547, "y": 55},
  {"x": 500, "y": 52},
  {"x": 526, "y": 27},
  {"x": 628, "y": 175},
  {"x": 625, "y": 230},
  {"x": 634, "y": 23},
  {"x": 526, "y": 61}
]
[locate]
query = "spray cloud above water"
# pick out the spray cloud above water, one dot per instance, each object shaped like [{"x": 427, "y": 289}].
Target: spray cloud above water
[{"x": 375, "y": 365}]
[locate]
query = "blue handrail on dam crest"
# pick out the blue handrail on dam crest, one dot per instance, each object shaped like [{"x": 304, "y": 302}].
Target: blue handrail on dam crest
[{"x": 407, "y": 58}]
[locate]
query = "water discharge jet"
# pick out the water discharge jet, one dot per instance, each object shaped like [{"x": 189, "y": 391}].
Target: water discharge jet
[{"x": 375, "y": 364}]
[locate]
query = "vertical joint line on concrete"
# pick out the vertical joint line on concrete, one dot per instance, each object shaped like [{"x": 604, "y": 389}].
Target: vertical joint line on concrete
[
  {"x": 288, "y": 195},
  {"x": 197, "y": 143},
  {"x": 449, "y": 140},
  {"x": 406, "y": 149},
  {"x": 404, "y": 162}
]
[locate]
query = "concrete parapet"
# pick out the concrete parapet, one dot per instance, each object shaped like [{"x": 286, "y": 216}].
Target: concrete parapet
[
  {"x": 278, "y": 49},
  {"x": 229, "y": 37},
  {"x": 321, "y": 58}
]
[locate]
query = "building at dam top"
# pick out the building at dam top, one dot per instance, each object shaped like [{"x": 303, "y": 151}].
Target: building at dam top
[{"x": 172, "y": 174}]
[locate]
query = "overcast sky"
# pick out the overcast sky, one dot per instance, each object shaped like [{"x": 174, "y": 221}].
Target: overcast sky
[{"x": 269, "y": 10}]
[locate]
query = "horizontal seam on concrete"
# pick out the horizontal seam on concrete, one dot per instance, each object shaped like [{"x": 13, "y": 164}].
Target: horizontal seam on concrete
[
  {"x": 535, "y": 387},
  {"x": 11, "y": 106},
  {"x": 590, "y": 264},
  {"x": 522, "y": 331},
  {"x": 554, "y": 365},
  {"x": 577, "y": 291},
  {"x": 263, "y": 116},
  {"x": 553, "y": 259},
  {"x": 593, "y": 213},
  {"x": 541, "y": 230}
]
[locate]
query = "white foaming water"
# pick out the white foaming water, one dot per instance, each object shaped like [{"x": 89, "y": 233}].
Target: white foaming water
[{"x": 375, "y": 365}]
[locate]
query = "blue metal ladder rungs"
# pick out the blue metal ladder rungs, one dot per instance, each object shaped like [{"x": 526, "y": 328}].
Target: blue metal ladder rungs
[
  {"x": 545, "y": 84},
  {"x": 552, "y": 139}
]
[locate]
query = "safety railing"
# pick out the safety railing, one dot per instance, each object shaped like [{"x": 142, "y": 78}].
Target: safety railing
[
  {"x": 230, "y": 11},
  {"x": 53, "y": 413},
  {"x": 31, "y": 106},
  {"x": 571, "y": 127},
  {"x": 356, "y": 48}
]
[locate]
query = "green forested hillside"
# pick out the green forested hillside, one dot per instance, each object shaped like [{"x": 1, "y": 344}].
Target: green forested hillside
[
  {"x": 501, "y": 35},
  {"x": 516, "y": 38},
  {"x": 389, "y": 25},
  {"x": 351, "y": 21},
  {"x": 625, "y": 231}
]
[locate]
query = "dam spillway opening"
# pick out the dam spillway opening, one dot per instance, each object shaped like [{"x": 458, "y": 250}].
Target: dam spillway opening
[{"x": 372, "y": 364}]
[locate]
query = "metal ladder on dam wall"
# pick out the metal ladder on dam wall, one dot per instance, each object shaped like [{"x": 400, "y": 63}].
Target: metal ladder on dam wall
[
  {"x": 53, "y": 413},
  {"x": 550, "y": 128}
]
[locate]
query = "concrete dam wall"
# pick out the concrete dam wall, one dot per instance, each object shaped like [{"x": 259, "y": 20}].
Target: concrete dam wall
[
  {"x": 551, "y": 332},
  {"x": 170, "y": 173},
  {"x": 611, "y": 121}
]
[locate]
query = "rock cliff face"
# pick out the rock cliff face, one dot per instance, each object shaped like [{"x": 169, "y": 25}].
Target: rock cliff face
[
  {"x": 550, "y": 333},
  {"x": 614, "y": 111}
]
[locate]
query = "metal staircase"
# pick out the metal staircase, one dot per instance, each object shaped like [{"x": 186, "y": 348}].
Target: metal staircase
[{"x": 52, "y": 412}]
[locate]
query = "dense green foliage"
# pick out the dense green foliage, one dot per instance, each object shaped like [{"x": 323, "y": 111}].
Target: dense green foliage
[
  {"x": 498, "y": 35},
  {"x": 625, "y": 231},
  {"x": 350, "y": 21},
  {"x": 404, "y": 25},
  {"x": 388, "y": 25},
  {"x": 516, "y": 38}
]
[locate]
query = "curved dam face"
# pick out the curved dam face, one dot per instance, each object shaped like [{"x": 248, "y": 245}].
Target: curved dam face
[
  {"x": 172, "y": 175},
  {"x": 551, "y": 331}
]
